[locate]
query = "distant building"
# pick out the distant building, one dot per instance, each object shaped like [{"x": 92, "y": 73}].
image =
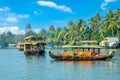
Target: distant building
[
  {"x": 109, "y": 41},
  {"x": 89, "y": 42},
  {"x": 12, "y": 46},
  {"x": 103, "y": 43}
]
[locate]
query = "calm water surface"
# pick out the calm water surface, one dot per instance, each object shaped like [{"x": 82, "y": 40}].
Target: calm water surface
[{"x": 15, "y": 66}]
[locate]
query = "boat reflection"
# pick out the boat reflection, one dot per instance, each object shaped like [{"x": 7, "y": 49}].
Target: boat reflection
[
  {"x": 83, "y": 63},
  {"x": 33, "y": 56},
  {"x": 65, "y": 62},
  {"x": 86, "y": 63}
]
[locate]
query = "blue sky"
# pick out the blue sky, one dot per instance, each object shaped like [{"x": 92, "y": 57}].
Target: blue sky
[{"x": 15, "y": 14}]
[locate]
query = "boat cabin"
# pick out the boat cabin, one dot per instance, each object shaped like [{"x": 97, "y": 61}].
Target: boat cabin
[{"x": 82, "y": 50}]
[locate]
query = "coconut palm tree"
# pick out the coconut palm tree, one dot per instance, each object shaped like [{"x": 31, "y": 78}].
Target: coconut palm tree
[
  {"x": 81, "y": 26},
  {"x": 110, "y": 22},
  {"x": 95, "y": 26},
  {"x": 117, "y": 18}
]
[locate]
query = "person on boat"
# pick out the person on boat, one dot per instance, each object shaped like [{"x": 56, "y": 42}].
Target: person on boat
[
  {"x": 65, "y": 51},
  {"x": 79, "y": 53},
  {"x": 99, "y": 53},
  {"x": 93, "y": 53},
  {"x": 65, "y": 54},
  {"x": 87, "y": 53}
]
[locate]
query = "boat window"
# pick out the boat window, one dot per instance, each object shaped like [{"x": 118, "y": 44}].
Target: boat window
[
  {"x": 76, "y": 50},
  {"x": 33, "y": 39},
  {"x": 34, "y": 47},
  {"x": 94, "y": 50},
  {"x": 28, "y": 46},
  {"x": 69, "y": 50},
  {"x": 39, "y": 38},
  {"x": 41, "y": 46},
  {"x": 82, "y": 49}
]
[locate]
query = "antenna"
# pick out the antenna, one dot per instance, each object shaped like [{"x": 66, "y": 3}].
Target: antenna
[{"x": 28, "y": 30}]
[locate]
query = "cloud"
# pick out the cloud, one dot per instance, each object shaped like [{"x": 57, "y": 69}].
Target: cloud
[
  {"x": 35, "y": 12},
  {"x": 12, "y": 19},
  {"x": 23, "y": 16},
  {"x": 13, "y": 29},
  {"x": 37, "y": 30},
  {"x": 15, "y": 18},
  {"x": 54, "y": 5},
  {"x": 4, "y": 9},
  {"x": 105, "y": 3},
  {"x": 6, "y": 15}
]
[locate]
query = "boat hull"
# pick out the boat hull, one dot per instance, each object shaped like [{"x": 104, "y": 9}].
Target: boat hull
[
  {"x": 41, "y": 52},
  {"x": 21, "y": 49}
]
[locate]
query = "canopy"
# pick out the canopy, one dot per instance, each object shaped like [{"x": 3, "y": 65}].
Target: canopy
[
  {"x": 28, "y": 37},
  {"x": 83, "y": 46},
  {"x": 89, "y": 41}
]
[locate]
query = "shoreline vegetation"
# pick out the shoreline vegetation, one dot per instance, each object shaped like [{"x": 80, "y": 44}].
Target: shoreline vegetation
[{"x": 96, "y": 28}]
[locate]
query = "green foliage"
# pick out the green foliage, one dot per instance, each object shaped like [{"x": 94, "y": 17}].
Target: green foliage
[{"x": 97, "y": 28}]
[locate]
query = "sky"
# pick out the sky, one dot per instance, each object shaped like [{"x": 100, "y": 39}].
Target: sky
[{"x": 16, "y": 14}]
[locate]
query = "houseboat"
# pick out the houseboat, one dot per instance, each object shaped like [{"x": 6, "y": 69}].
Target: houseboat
[
  {"x": 34, "y": 45},
  {"x": 81, "y": 53}
]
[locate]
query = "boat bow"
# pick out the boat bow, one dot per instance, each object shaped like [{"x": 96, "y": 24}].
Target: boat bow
[{"x": 111, "y": 54}]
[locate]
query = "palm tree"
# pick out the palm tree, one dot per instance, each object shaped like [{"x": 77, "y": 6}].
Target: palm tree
[
  {"x": 117, "y": 17},
  {"x": 81, "y": 25},
  {"x": 109, "y": 22},
  {"x": 72, "y": 32},
  {"x": 95, "y": 26}
]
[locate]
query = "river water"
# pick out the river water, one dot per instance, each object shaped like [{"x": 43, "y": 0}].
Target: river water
[{"x": 14, "y": 65}]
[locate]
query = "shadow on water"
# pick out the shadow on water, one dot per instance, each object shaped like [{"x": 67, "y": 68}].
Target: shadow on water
[{"x": 34, "y": 56}]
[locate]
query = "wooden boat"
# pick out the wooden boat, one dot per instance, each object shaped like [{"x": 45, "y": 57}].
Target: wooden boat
[
  {"x": 34, "y": 45},
  {"x": 81, "y": 53}
]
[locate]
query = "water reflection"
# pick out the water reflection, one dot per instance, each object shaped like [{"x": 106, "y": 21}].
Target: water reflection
[
  {"x": 34, "y": 56},
  {"x": 35, "y": 67},
  {"x": 81, "y": 63}
]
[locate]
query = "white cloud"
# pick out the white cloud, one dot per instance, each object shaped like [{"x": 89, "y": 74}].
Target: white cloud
[
  {"x": 105, "y": 3},
  {"x": 4, "y": 9},
  {"x": 13, "y": 29},
  {"x": 103, "y": 6},
  {"x": 12, "y": 19},
  {"x": 54, "y": 5},
  {"x": 6, "y": 15},
  {"x": 23, "y": 16},
  {"x": 35, "y": 12},
  {"x": 36, "y": 30}
]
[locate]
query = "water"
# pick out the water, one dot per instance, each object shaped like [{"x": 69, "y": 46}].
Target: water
[{"x": 15, "y": 66}]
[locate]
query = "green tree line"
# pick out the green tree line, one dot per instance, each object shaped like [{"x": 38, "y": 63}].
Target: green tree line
[
  {"x": 10, "y": 38},
  {"x": 96, "y": 28}
]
